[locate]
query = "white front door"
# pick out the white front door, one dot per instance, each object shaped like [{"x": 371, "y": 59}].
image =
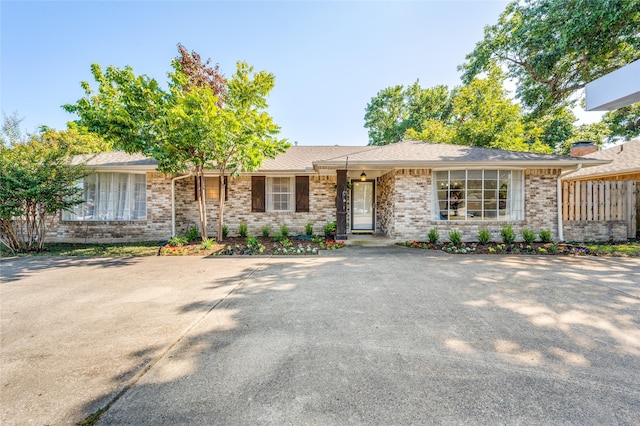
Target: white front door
[{"x": 362, "y": 206}]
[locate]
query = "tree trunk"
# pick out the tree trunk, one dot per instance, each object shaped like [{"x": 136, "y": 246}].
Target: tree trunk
[
  {"x": 202, "y": 205},
  {"x": 223, "y": 190}
]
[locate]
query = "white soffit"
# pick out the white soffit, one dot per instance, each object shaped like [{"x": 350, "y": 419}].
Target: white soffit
[{"x": 615, "y": 90}]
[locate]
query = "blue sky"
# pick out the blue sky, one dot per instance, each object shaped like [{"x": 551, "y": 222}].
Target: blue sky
[{"x": 329, "y": 58}]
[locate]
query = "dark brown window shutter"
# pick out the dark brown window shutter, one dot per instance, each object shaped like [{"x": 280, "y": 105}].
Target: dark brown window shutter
[
  {"x": 195, "y": 184},
  {"x": 302, "y": 193},
  {"x": 258, "y": 193}
]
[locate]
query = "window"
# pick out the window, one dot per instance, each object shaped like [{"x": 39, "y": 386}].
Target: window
[
  {"x": 478, "y": 195},
  {"x": 212, "y": 188},
  {"x": 111, "y": 196},
  {"x": 280, "y": 194},
  {"x": 280, "y": 191}
]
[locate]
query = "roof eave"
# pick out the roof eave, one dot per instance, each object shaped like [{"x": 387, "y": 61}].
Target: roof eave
[{"x": 527, "y": 164}]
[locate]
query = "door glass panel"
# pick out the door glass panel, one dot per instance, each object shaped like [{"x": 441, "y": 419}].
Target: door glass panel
[{"x": 362, "y": 207}]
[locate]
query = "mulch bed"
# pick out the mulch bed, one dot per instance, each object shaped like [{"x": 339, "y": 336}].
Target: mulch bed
[
  {"x": 265, "y": 246},
  {"x": 536, "y": 248}
]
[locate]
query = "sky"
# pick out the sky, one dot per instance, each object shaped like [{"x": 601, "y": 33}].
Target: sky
[{"x": 329, "y": 58}]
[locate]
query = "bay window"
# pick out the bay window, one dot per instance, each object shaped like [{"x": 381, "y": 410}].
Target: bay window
[{"x": 478, "y": 195}]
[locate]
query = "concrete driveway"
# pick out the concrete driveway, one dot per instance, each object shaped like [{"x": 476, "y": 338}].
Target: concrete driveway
[{"x": 357, "y": 336}]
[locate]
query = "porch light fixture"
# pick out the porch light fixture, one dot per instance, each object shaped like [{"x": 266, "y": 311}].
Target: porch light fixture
[{"x": 363, "y": 177}]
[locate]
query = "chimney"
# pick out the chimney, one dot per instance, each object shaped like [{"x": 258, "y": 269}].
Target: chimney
[{"x": 582, "y": 148}]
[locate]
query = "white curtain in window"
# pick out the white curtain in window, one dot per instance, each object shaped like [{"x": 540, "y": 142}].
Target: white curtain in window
[
  {"x": 517, "y": 195},
  {"x": 112, "y": 196}
]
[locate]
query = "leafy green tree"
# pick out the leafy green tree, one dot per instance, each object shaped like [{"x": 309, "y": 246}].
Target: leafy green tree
[
  {"x": 395, "y": 110},
  {"x": 485, "y": 116},
  {"x": 203, "y": 121},
  {"x": 623, "y": 123},
  {"x": 36, "y": 182},
  {"x": 74, "y": 140},
  {"x": 598, "y": 133},
  {"x": 551, "y": 129},
  {"x": 552, "y": 48},
  {"x": 482, "y": 114}
]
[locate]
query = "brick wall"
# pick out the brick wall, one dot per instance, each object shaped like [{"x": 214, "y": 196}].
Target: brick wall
[
  {"x": 157, "y": 226},
  {"x": 403, "y": 210},
  {"x": 408, "y": 216},
  {"x": 385, "y": 211},
  {"x": 614, "y": 230},
  {"x": 322, "y": 208}
]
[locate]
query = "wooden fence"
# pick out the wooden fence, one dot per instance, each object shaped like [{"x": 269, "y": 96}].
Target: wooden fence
[{"x": 601, "y": 201}]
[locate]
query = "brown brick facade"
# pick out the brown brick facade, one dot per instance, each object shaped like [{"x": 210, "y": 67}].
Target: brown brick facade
[
  {"x": 157, "y": 226},
  {"x": 403, "y": 211},
  {"x": 405, "y": 197}
]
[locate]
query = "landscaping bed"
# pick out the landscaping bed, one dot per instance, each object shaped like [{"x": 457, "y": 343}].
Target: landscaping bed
[
  {"x": 628, "y": 249},
  {"x": 252, "y": 246}
]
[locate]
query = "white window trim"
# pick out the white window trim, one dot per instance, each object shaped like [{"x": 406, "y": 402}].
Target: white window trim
[
  {"x": 291, "y": 194},
  {"x": 512, "y": 198}
]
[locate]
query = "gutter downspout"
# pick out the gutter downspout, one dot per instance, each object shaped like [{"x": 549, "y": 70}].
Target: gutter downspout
[
  {"x": 173, "y": 202},
  {"x": 560, "y": 201}
]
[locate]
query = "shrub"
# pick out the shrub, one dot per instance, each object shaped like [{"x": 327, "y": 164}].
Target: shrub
[
  {"x": 225, "y": 231},
  {"x": 528, "y": 236},
  {"x": 266, "y": 231},
  {"x": 545, "y": 235},
  {"x": 433, "y": 235},
  {"x": 455, "y": 237},
  {"x": 192, "y": 234},
  {"x": 206, "y": 244},
  {"x": 329, "y": 229},
  {"x": 484, "y": 236},
  {"x": 242, "y": 230},
  {"x": 254, "y": 245},
  {"x": 284, "y": 231},
  {"x": 508, "y": 236},
  {"x": 177, "y": 241},
  {"x": 308, "y": 229}
]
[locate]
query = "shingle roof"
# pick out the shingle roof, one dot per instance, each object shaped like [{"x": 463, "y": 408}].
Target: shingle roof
[
  {"x": 115, "y": 159},
  {"x": 405, "y": 153},
  {"x": 421, "y": 154},
  {"x": 624, "y": 159},
  {"x": 301, "y": 158}
]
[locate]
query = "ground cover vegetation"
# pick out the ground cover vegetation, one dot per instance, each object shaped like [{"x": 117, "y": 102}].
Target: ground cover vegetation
[
  {"x": 550, "y": 49},
  {"x": 245, "y": 244},
  {"x": 530, "y": 242}
]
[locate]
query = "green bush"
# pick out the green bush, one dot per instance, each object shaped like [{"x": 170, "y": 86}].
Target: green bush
[
  {"x": 308, "y": 229},
  {"x": 455, "y": 237},
  {"x": 225, "y": 231},
  {"x": 484, "y": 236},
  {"x": 192, "y": 234},
  {"x": 284, "y": 231},
  {"x": 242, "y": 230},
  {"x": 177, "y": 241},
  {"x": 329, "y": 229},
  {"x": 266, "y": 231},
  {"x": 254, "y": 245},
  {"x": 528, "y": 236},
  {"x": 545, "y": 235},
  {"x": 206, "y": 244},
  {"x": 507, "y": 234},
  {"x": 434, "y": 235}
]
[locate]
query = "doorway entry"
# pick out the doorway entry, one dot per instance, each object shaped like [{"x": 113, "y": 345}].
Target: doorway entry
[{"x": 362, "y": 207}]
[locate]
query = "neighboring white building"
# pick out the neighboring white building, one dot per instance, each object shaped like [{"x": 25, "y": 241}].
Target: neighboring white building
[{"x": 615, "y": 90}]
